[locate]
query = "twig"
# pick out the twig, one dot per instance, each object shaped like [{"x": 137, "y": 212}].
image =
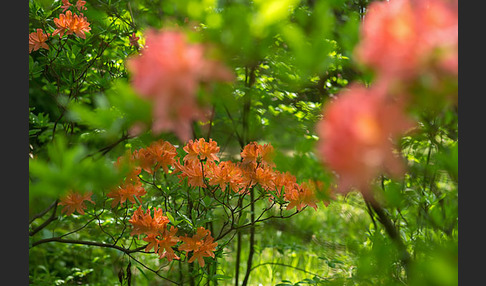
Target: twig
[
  {"x": 84, "y": 242},
  {"x": 41, "y": 214},
  {"x": 286, "y": 265},
  {"x": 47, "y": 222},
  {"x": 391, "y": 231}
]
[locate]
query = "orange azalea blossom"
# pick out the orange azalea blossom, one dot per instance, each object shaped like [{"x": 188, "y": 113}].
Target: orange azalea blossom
[
  {"x": 80, "y": 5},
  {"x": 225, "y": 174},
  {"x": 74, "y": 201},
  {"x": 264, "y": 176},
  {"x": 254, "y": 153},
  {"x": 69, "y": 24},
  {"x": 192, "y": 171},
  {"x": 355, "y": 137},
  {"x": 201, "y": 244},
  {"x": 126, "y": 191},
  {"x": 37, "y": 40},
  {"x": 286, "y": 181},
  {"x": 201, "y": 150},
  {"x": 128, "y": 160},
  {"x": 163, "y": 243},
  {"x": 144, "y": 223},
  {"x": 400, "y": 38},
  {"x": 153, "y": 242},
  {"x": 168, "y": 72},
  {"x": 159, "y": 154},
  {"x": 168, "y": 240},
  {"x": 65, "y": 5},
  {"x": 302, "y": 196},
  {"x": 145, "y": 160}
]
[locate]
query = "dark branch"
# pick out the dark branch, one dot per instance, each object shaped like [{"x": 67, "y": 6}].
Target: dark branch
[
  {"x": 47, "y": 222},
  {"x": 93, "y": 243}
]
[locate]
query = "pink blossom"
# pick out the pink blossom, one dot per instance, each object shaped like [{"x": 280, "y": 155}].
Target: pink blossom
[
  {"x": 169, "y": 72},
  {"x": 405, "y": 38},
  {"x": 356, "y": 137},
  {"x": 439, "y": 22}
]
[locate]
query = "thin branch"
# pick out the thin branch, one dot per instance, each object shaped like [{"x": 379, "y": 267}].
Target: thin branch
[
  {"x": 76, "y": 230},
  {"x": 156, "y": 272},
  {"x": 84, "y": 242},
  {"x": 41, "y": 214},
  {"x": 391, "y": 230},
  {"x": 47, "y": 222},
  {"x": 286, "y": 265},
  {"x": 252, "y": 239},
  {"x": 99, "y": 244}
]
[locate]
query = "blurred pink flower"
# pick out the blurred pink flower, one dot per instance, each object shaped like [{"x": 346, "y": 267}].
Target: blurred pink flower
[
  {"x": 439, "y": 22},
  {"x": 355, "y": 137},
  {"x": 168, "y": 72},
  {"x": 404, "y": 38}
]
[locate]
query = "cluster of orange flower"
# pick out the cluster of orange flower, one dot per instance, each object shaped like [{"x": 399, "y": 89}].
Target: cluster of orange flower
[
  {"x": 158, "y": 155},
  {"x": 201, "y": 169},
  {"x": 79, "y": 5},
  {"x": 163, "y": 239},
  {"x": 131, "y": 186},
  {"x": 154, "y": 227},
  {"x": 66, "y": 24},
  {"x": 70, "y": 23},
  {"x": 256, "y": 167}
]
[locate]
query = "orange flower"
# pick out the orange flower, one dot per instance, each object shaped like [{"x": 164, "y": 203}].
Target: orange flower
[
  {"x": 126, "y": 191},
  {"x": 250, "y": 153},
  {"x": 37, "y": 40},
  {"x": 65, "y": 5},
  {"x": 69, "y": 24},
  {"x": 225, "y": 174},
  {"x": 159, "y": 154},
  {"x": 168, "y": 240},
  {"x": 74, "y": 201},
  {"x": 264, "y": 176},
  {"x": 168, "y": 72},
  {"x": 153, "y": 242},
  {"x": 144, "y": 223},
  {"x": 257, "y": 164},
  {"x": 192, "y": 171},
  {"x": 163, "y": 246},
  {"x": 356, "y": 137},
  {"x": 201, "y": 244},
  {"x": 254, "y": 153},
  {"x": 145, "y": 159},
  {"x": 128, "y": 161},
  {"x": 302, "y": 196},
  {"x": 164, "y": 153},
  {"x": 80, "y": 5},
  {"x": 286, "y": 181},
  {"x": 201, "y": 150},
  {"x": 267, "y": 153}
]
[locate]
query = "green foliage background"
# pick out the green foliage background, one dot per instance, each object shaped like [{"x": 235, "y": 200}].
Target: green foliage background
[{"x": 290, "y": 57}]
